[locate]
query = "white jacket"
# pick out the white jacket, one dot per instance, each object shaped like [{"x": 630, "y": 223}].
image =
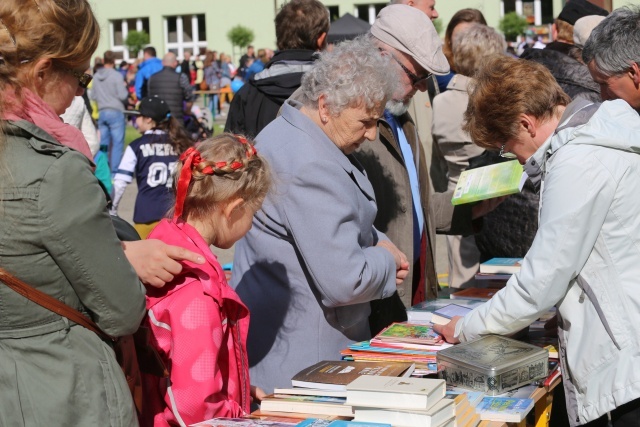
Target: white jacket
[{"x": 585, "y": 258}]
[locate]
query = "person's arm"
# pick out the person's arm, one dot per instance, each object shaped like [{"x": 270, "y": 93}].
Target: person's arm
[
  {"x": 198, "y": 381},
  {"x": 187, "y": 90},
  {"x": 323, "y": 218},
  {"x": 577, "y": 197},
  {"x": 123, "y": 177},
  {"x": 122, "y": 92},
  {"x": 78, "y": 233},
  {"x": 140, "y": 81},
  {"x": 236, "y": 116},
  {"x": 89, "y": 130}
]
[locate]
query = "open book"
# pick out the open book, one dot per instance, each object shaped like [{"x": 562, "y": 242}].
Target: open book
[{"x": 487, "y": 182}]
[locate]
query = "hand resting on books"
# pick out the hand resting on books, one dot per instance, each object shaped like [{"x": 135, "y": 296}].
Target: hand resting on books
[
  {"x": 448, "y": 331},
  {"x": 402, "y": 264}
]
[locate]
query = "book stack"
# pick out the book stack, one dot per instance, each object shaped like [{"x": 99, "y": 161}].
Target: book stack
[
  {"x": 497, "y": 271},
  {"x": 406, "y": 342},
  {"x": 505, "y": 409},
  {"x": 320, "y": 389},
  {"x": 403, "y": 402}
]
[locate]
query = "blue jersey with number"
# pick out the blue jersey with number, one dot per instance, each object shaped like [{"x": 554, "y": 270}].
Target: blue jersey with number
[{"x": 152, "y": 159}]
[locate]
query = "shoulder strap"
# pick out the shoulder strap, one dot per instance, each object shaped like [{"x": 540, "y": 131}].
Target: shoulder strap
[{"x": 50, "y": 303}]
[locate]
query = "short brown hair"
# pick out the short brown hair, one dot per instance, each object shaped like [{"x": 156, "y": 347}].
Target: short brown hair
[
  {"x": 474, "y": 43},
  {"x": 565, "y": 30},
  {"x": 109, "y": 57},
  {"x": 505, "y": 88},
  {"x": 299, "y": 24},
  {"x": 463, "y": 15}
]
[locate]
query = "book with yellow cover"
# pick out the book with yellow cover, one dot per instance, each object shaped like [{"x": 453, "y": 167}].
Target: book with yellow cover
[{"x": 487, "y": 182}]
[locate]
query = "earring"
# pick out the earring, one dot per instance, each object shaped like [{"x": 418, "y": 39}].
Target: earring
[{"x": 324, "y": 120}]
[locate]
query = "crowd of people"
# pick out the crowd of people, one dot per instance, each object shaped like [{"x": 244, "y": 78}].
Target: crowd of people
[{"x": 322, "y": 182}]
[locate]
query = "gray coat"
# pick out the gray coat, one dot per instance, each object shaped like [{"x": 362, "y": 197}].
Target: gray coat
[
  {"x": 56, "y": 235},
  {"x": 308, "y": 268}
]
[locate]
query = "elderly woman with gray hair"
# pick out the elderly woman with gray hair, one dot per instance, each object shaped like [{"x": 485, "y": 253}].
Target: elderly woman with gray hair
[
  {"x": 313, "y": 259},
  {"x": 454, "y": 144}
]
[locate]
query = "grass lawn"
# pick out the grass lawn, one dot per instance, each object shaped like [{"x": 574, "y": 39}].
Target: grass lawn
[{"x": 132, "y": 134}]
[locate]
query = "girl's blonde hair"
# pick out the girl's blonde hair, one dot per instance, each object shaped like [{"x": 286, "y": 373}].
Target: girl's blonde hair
[{"x": 222, "y": 168}]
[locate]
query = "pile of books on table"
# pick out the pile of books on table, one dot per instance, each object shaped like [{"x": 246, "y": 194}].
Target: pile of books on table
[
  {"x": 321, "y": 389},
  {"x": 401, "y": 342},
  {"x": 495, "y": 272}
]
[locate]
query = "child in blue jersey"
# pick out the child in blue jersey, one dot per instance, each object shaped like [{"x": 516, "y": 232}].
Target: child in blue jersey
[{"x": 151, "y": 158}]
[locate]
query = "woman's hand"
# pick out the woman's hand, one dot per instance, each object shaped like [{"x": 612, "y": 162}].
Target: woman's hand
[
  {"x": 155, "y": 262},
  {"x": 448, "y": 331},
  {"x": 402, "y": 264},
  {"x": 257, "y": 394}
]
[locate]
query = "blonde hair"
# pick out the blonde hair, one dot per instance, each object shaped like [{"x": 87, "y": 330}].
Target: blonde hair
[
  {"x": 474, "y": 43},
  {"x": 228, "y": 169}
]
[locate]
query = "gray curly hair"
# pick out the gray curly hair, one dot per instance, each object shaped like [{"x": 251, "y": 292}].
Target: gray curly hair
[{"x": 354, "y": 73}]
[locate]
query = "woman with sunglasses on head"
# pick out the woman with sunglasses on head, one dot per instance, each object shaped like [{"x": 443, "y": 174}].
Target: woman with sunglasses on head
[
  {"x": 56, "y": 234},
  {"x": 584, "y": 158}
]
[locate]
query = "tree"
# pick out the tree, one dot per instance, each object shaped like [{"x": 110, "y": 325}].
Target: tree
[
  {"x": 135, "y": 41},
  {"x": 240, "y": 36},
  {"x": 512, "y": 25}
]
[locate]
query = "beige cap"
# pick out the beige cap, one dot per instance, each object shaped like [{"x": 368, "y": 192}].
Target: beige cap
[
  {"x": 583, "y": 27},
  {"x": 410, "y": 31}
]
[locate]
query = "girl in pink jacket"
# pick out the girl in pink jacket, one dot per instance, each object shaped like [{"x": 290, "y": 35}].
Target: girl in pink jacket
[{"x": 198, "y": 323}]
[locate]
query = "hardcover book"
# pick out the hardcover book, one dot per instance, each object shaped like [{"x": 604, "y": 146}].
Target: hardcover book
[
  {"x": 480, "y": 294},
  {"x": 301, "y": 391},
  {"x": 306, "y": 404},
  {"x": 501, "y": 266},
  {"x": 396, "y": 393},
  {"x": 335, "y": 375},
  {"x": 439, "y": 414},
  {"x": 444, "y": 315},
  {"x": 487, "y": 182},
  {"x": 505, "y": 409}
]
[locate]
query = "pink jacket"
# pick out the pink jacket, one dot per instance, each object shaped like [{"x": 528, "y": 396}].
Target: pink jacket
[{"x": 200, "y": 327}]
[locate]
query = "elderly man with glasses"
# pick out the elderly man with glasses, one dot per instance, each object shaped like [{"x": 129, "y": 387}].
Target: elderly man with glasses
[{"x": 395, "y": 163}]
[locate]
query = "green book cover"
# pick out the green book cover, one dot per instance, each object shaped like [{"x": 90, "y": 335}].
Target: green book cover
[{"x": 487, "y": 182}]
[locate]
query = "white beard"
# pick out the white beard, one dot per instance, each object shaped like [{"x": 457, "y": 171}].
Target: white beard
[{"x": 396, "y": 108}]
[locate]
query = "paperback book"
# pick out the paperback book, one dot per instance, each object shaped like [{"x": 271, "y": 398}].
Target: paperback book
[
  {"x": 410, "y": 333},
  {"x": 444, "y": 315},
  {"x": 480, "y": 294},
  {"x": 501, "y": 266},
  {"x": 487, "y": 182},
  {"x": 335, "y": 375},
  {"x": 315, "y": 422},
  {"x": 242, "y": 422},
  {"x": 422, "y": 312},
  {"x": 505, "y": 409}
]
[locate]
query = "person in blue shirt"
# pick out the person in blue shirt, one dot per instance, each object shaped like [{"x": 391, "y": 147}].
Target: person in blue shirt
[
  {"x": 146, "y": 69},
  {"x": 151, "y": 158}
]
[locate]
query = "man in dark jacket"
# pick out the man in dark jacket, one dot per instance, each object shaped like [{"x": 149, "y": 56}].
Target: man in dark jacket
[
  {"x": 572, "y": 75},
  {"x": 173, "y": 87},
  {"x": 301, "y": 30}
]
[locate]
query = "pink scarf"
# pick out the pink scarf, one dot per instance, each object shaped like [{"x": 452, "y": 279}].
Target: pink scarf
[{"x": 33, "y": 109}]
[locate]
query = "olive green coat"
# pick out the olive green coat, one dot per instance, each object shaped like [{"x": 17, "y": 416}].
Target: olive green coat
[{"x": 56, "y": 235}]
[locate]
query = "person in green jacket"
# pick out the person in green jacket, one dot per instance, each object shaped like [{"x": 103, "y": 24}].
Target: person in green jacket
[{"x": 56, "y": 234}]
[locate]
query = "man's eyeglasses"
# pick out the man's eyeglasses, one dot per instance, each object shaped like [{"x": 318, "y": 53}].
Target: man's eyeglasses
[
  {"x": 415, "y": 79},
  {"x": 506, "y": 154},
  {"x": 83, "y": 78}
]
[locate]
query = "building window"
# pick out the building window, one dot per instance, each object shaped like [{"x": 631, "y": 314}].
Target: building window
[
  {"x": 119, "y": 29},
  {"x": 185, "y": 33},
  {"x": 334, "y": 12},
  {"x": 368, "y": 12}
]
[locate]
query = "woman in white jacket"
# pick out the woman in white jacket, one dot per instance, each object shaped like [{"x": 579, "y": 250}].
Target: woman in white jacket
[{"x": 585, "y": 258}]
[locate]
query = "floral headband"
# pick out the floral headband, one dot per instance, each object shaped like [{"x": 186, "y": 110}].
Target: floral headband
[{"x": 192, "y": 158}]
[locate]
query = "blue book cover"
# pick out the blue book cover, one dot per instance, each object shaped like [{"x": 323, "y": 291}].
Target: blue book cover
[
  {"x": 505, "y": 409},
  {"x": 501, "y": 266}
]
